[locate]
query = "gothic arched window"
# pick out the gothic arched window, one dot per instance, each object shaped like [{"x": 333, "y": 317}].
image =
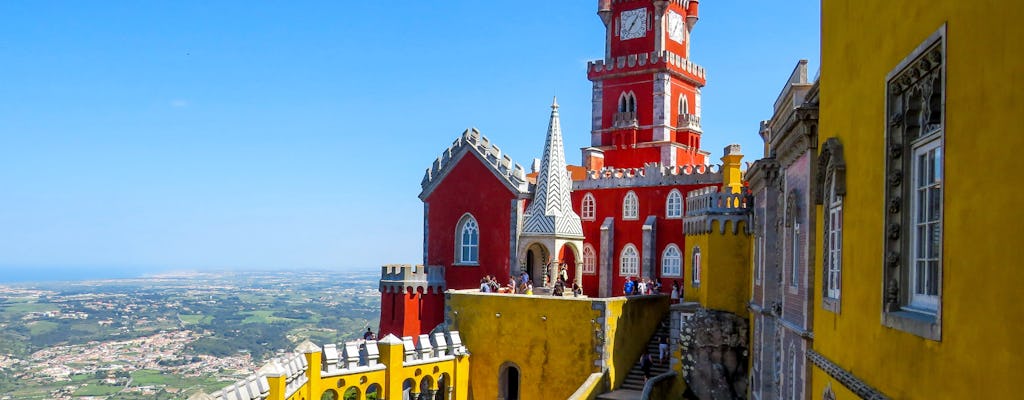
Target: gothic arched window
[
  {"x": 674, "y": 204},
  {"x": 671, "y": 261},
  {"x": 467, "y": 239},
  {"x": 589, "y": 259},
  {"x": 587, "y": 207},
  {"x": 630, "y": 206},
  {"x": 629, "y": 261}
]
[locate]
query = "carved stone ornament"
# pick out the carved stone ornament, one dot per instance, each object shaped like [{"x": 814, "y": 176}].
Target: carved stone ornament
[
  {"x": 892, "y": 259},
  {"x": 893, "y": 231},
  {"x": 895, "y": 178},
  {"x": 894, "y": 205},
  {"x": 831, "y": 164}
]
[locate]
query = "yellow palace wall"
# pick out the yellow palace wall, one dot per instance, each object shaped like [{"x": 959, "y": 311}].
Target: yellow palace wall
[
  {"x": 725, "y": 269},
  {"x": 980, "y": 353},
  {"x": 553, "y": 341}
]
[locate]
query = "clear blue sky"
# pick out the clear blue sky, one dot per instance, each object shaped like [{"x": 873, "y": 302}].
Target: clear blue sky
[{"x": 251, "y": 134}]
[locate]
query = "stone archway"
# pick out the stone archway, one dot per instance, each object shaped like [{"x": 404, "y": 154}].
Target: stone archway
[{"x": 536, "y": 262}]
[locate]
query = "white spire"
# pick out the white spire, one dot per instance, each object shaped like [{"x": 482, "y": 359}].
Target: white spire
[{"x": 551, "y": 210}]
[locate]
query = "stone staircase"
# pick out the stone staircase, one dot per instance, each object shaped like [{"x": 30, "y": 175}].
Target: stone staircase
[{"x": 633, "y": 386}]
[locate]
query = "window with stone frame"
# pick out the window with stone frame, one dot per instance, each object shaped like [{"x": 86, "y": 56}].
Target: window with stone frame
[
  {"x": 795, "y": 250},
  {"x": 630, "y": 206},
  {"x": 695, "y": 267},
  {"x": 671, "y": 261},
  {"x": 629, "y": 261},
  {"x": 467, "y": 239},
  {"x": 915, "y": 127},
  {"x": 831, "y": 182},
  {"x": 674, "y": 204},
  {"x": 589, "y": 259}
]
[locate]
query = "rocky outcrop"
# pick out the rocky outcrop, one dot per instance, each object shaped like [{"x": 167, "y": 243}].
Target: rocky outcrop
[{"x": 714, "y": 348}]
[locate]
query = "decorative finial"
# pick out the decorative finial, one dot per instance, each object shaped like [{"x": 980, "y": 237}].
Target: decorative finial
[{"x": 554, "y": 103}]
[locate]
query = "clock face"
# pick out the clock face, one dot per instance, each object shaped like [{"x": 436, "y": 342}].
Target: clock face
[
  {"x": 675, "y": 27},
  {"x": 633, "y": 24}
]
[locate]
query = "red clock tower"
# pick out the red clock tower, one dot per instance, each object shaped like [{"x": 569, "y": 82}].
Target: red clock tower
[{"x": 646, "y": 103}]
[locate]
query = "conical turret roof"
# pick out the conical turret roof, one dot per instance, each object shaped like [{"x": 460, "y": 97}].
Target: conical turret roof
[{"x": 551, "y": 211}]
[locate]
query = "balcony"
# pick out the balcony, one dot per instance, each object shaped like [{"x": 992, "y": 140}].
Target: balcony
[
  {"x": 624, "y": 120},
  {"x": 689, "y": 121}
]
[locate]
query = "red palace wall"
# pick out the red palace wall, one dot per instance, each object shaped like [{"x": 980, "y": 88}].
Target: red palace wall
[
  {"x": 470, "y": 187},
  {"x": 608, "y": 203}
]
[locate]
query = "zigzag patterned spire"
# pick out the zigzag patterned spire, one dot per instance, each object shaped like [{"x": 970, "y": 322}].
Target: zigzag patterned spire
[{"x": 551, "y": 211}]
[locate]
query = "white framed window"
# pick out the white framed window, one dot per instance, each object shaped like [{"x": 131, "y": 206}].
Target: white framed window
[
  {"x": 926, "y": 233},
  {"x": 684, "y": 107},
  {"x": 833, "y": 184},
  {"x": 467, "y": 239},
  {"x": 915, "y": 115},
  {"x": 671, "y": 261},
  {"x": 674, "y": 204},
  {"x": 695, "y": 267},
  {"x": 630, "y": 206},
  {"x": 588, "y": 207},
  {"x": 589, "y": 259},
  {"x": 759, "y": 243},
  {"x": 629, "y": 261},
  {"x": 834, "y": 235}
]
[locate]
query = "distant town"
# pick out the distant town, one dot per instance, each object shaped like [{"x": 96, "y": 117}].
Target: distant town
[{"x": 165, "y": 336}]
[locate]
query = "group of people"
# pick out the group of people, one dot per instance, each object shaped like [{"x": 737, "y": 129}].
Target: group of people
[
  {"x": 646, "y": 361},
  {"x": 639, "y": 287},
  {"x": 635, "y": 287},
  {"x": 523, "y": 284}
]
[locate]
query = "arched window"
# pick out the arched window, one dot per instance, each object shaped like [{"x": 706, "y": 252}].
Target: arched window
[
  {"x": 329, "y": 394},
  {"x": 467, "y": 239},
  {"x": 630, "y": 206},
  {"x": 629, "y": 261},
  {"x": 674, "y": 204},
  {"x": 589, "y": 259},
  {"x": 684, "y": 106},
  {"x": 627, "y": 102},
  {"x": 671, "y": 261},
  {"x": 587, "y": 207},
  {"x": 695, "y": 267},
  {"x": 832, "y": 175}
]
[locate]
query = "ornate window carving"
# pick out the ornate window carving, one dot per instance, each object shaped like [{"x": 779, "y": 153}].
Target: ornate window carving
[
  {"x": 588, "y": 207},
  {"x": 589, "y": 259},
  {"x": 629, "y": 264},
  {"x": 467, "y": 239},
  {"x": 671, "y": 261},
  {"x": 674, "y": 204},
  {"x": 630, "y": 206},
  {"x": 695, "y": 267},
  {"x": 792, "y": 373},
  {"x": 915, "y": 125},
  {"x": 831, "y": 181}
]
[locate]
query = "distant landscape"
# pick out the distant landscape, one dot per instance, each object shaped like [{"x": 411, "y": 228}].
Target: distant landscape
[{"x": 163, "y": 337}]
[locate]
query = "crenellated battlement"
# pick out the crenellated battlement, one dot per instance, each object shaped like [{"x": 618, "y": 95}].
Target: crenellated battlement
[
  {"x": 707, "y": 205},
  {"x": 650, "y": 175},
  {"x": 351, "y": 363},
  {"x": 471, "y": 140},
  {"x": 632, "y": 62},
  {"x": 404, "y": 277}
]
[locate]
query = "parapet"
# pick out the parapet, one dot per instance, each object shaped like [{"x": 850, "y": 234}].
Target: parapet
[
  {"x": 667, "y": 58},
  {"x": 652, "y": 174},
  {"x": 707, "y": 205},
  {"x": 404, "y": 277},
  {"x": 471, "y": 140}
]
